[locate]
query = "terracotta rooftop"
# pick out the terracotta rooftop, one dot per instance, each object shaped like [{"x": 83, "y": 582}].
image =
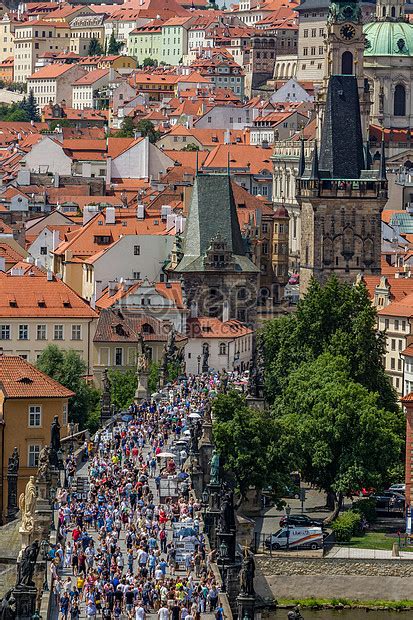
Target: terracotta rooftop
[
  {"x": 19, "y": 379},
  {"x": 171, "y": 291},
  {"x": 120, "y": 326},
  {"x": 24, "y": 295}
]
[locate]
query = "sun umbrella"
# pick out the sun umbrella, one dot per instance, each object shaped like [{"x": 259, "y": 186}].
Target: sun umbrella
[
  {"x": 194, "y": 415},
  {"x": 166, "y": 455},
  {"x": 187, "y": 432}
]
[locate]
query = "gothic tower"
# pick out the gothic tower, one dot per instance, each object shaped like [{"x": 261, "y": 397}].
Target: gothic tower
[
  {"x": 345, "y": 43},
  {"x": 340, "y": 197}
]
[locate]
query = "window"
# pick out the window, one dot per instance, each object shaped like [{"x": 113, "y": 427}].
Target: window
[
  {"x": 136, "y": 275},
  {"x": 393, "y": 344},
  {"x": 43, "y": 250},
  {"x": 403, "y": 326},
  {"x": 137, "y": 250},
  {"x": 5, "y": 332},
  {"x": 33, "y": 455},
  {"x": 41, "y": 332},
  {"x": 265, "y": 228},
  {"x": 400, "y": 345},
  {"x": 399, "y": 364},
  {"x": 392, "y": 363},
  {"x": 386, "y": 323},
  {"x": 23, "y": 332},
  {"x": 118, "y": 356},
  {"x": 35, "y": 415},
  {"x": 222, "y": 348},
  {"x": 76, "y": 332},
  {"x": 65, "y": 418},
  {"x": 399, "y": 100},
  {"x": 347, "y": 63},
  {"x": 58, "y": 332},
  {"x": 396, "y": 325},
  {"x": 265, "y": 248}
]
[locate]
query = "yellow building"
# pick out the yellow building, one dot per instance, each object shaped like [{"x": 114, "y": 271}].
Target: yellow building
[{"x": 29, "y": 400}]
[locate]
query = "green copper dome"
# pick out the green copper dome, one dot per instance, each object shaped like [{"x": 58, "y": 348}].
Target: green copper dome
[{"x": 392, "y": 38}]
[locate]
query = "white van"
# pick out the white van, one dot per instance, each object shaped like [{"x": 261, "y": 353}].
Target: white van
[{"x": 298, "y": 538}]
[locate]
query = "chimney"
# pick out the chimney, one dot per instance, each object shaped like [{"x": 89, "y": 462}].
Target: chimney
[
  {"x": 2, "y": 263},
  {"x": 49, "y": 275},
  {"x": 140, "y": 212},
  {"x": 89, "y": 211},
  {"x": 55, "y": 239},
  {"x": 194, "y": 310},
  {"x": 225, "y": 311},
  {"x": 110, "y": 215}
]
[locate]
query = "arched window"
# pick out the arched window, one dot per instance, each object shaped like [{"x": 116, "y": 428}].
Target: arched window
[
  {"x": 222, "y": 348},
  {"x": 384, "y": 11},
  {"x": 147, "y": 329},
  {"x": 393, "y": 11},
  {"x": 400, "y": 100},
  {"x": 347, "y": 63}
]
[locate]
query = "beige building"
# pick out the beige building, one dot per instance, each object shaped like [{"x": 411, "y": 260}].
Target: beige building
[
  {"x": 54, "y": 83},
  {"x": 32, "y": 39},
  {"x": 83, "y": 29},
  {"x": 83, "y": 90},
  {"x": 117, "y": 335},
  {"x": 7, "y": 26},
  {"x": 37, "y": 309}
]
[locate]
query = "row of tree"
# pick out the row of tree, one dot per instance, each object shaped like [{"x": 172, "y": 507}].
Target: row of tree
[{"x": 334, "y": 415}]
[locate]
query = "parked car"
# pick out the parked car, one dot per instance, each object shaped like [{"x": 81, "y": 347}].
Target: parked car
[
  {"x": 294, "y": 279},
  {"x": 399, "y": 488},
  {"x": 297, "y": 537},
  {"x": 300, "y": 521},
  {"x": 389, "y": 500}
]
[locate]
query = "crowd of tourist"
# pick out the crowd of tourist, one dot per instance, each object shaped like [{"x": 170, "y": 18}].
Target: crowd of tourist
[{"x": 125, "y": 550}]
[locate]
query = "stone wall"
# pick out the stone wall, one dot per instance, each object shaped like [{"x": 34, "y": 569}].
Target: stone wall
[
  {"x": 362, "y": 580},
  {"x": 325, "y": 566}
]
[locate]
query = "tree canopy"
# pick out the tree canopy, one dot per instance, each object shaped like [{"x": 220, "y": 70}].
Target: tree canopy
[
  {"x": 245, "y": 439},
  {"x": 95, "y": 48},
  {"x": 338, "y": 318},
  {"x": 123, "y": 387},
  {"x": 69, "y": 369},
  {"x": 334, "y": 430},
  {"x": 147, "y": 129},
  {"x": 114, "y": 46}
]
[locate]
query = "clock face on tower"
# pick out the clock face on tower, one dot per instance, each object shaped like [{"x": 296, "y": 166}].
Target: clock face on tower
[{"x": 347, "y": 32}]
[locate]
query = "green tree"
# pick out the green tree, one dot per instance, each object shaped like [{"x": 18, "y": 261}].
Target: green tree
[
  {"x": 95, "y": 48},
  {"x": 191, "y": 147},
  {"x": 114, "y": 46},
  {"x": 149, "y": 62},
  {"x": 246, "y": 440},
  {"x": 69, "y": 369},
  {"x": 338, "y": 318},
  {"x": 127, "y": 128},
  {"x": 29, "y": 105},
  {"x": 335, "y": 431},
  {"x": 147, "y": 129},
  {"x": 124, "y": 386}
]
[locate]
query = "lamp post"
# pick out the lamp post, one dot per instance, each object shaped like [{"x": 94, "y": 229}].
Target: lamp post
[
  {"x": 62, "y": 469},
  {"x": 198, "y": 359},
  {"x": 287, "y": 513},
  {"x": 205, "y": 502},
  {"x": 52, "y": 499},
  {"x": 223, "y": 551},
  {"x": 72, "y": 430},
  {"x": 44, "y": 547}
]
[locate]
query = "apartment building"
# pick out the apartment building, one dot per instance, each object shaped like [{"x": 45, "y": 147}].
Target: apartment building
[
  {"x": 54, "y": 83},
  {"x": 83, "y": 29},
  {"x": 7, "y": 26},
  {"x": 38, "y": 309},
  {"x": 83, "y": 92},
  {"x": 32, "y": 39}
]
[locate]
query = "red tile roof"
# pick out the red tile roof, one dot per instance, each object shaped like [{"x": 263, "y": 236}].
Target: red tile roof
[
  {"x": 120, "y": 326},
  {"x": 19, "y": 379},
  {"x": 25, "y": 295}
]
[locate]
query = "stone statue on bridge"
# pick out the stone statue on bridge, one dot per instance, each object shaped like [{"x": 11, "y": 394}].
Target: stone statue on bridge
[{"x": 27, "y": 505}]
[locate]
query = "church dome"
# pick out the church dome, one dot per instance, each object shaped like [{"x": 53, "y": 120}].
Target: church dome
[{"x": 388, "y": 38}]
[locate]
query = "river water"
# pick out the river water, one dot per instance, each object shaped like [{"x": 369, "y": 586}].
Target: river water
[{"x": 346, "y": 614}]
